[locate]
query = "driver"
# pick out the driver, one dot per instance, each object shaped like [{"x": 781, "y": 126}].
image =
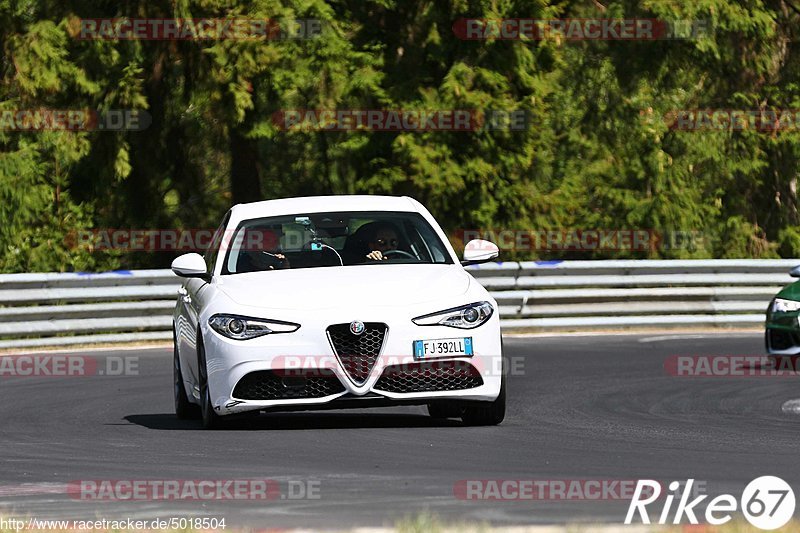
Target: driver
[{"x": 382, "y": 239}]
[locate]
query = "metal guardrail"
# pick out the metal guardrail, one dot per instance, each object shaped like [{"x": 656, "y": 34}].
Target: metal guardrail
[{"x": 76, "y": 308}]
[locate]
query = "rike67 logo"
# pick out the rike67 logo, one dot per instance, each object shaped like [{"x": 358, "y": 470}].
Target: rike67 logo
[{"x": 767, "y": 503}]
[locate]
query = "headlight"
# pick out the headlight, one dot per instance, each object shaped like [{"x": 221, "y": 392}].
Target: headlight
[
  {"x": 243, "y": 328},
  {"x": 464, "y": 317},
  {"x": 779, "y": 305}
]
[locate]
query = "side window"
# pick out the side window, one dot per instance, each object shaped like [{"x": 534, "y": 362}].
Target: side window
[{"x": 213, "y": 249}]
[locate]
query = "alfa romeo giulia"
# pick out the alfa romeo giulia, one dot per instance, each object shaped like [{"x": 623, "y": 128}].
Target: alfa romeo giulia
[{"x": 335, "y": 302}]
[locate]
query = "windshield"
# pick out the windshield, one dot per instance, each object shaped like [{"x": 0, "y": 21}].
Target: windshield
[{"x": 311, "y": 240}]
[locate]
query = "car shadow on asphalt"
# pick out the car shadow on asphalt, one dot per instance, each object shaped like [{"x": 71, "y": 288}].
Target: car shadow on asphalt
[{"x": 295, "y": 421}]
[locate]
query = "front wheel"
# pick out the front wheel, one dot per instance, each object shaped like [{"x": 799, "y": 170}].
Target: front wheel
[
  {"x": 211, "y": 420},
  {"x": 184, "y": 409}
]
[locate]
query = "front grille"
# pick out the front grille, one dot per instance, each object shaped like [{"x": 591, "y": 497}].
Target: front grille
[
  {"x": 357, "y": 353},
  {"x": 429, "y": 377},
  {"x": 781, "y": 340},
  {"x": 268, "y": 385}
]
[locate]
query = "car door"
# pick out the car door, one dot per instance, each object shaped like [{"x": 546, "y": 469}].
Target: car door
[{"x": 193, "y": 293}]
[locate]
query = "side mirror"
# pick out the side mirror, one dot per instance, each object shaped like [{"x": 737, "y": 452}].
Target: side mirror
[
  {"x": 479, "y": 251},
  {"x": 795, "y": 272},
  {"x": 191, "y": 266}
]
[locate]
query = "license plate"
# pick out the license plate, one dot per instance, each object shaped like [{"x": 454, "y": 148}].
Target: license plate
[{"x": 459, "y": 347}]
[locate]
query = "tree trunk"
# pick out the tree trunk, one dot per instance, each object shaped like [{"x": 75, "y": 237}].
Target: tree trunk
[{"x": 245, "y": 182}]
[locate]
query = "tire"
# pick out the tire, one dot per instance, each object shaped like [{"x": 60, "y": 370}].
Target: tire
[
  {"x": 443, "y": 410},
  {"x": 211, "y": 420},
  {"x": 184, "y": 409},
  {"x": 487, "y": 413}
]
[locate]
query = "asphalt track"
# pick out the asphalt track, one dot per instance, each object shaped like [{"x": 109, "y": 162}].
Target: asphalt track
[{"x": 580, "y": 407}]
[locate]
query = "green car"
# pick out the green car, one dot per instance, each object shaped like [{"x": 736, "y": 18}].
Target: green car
[{"x": 782, "y": 336}]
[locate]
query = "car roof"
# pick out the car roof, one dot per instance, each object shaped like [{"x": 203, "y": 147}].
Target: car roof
[{"x": 323, "y": 204}]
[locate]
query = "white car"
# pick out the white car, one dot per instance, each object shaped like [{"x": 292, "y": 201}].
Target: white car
[{"x": 335, "y": 302}]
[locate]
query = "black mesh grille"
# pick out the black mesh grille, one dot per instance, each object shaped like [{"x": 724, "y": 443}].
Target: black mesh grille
[
  {"x": 357, "y": 353},
  {"x": 267, "y": 385},
  {"x": 429, "y": 377},
  {"x": 781, "y": 340}
]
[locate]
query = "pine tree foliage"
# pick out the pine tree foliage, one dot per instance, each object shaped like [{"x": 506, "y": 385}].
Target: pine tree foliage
[{"x": 599, "y": 149}]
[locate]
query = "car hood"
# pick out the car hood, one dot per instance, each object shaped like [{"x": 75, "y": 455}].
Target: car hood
[
  {"x": 331, "y": 287},
  {"x": 790, "y": 292}
]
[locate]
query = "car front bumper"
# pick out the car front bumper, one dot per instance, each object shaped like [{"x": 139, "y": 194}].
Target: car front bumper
[{"x": 286, "y": 362}]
